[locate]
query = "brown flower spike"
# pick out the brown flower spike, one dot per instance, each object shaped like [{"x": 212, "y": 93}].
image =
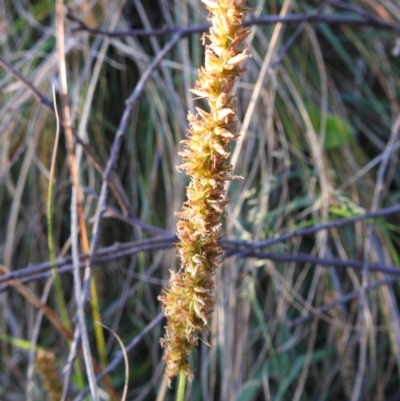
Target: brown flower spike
[
  {"x": 189, "y": 299},
  {"x": 47, "y": 369}
]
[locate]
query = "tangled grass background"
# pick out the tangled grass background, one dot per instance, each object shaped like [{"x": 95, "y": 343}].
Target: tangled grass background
[{"x": 307, "y": 298}]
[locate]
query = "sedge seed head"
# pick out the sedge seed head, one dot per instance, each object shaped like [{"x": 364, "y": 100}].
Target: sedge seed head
[{"x": 188, "y": 301}]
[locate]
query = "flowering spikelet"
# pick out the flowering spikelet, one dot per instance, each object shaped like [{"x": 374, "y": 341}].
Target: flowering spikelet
[
  {"x": 189, "y": 299},
  {"x": 47, "y": 369}
]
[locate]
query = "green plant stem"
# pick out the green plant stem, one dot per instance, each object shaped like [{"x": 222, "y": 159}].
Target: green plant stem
[
  {"x": 95, "y": 307},
  {"x": 182, "y": 386}
]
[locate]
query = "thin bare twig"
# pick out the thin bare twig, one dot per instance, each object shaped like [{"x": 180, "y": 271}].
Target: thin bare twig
[
  {"x": 311, "y": 230},
  {"x": 127, "y": 249},
  {"x": 366, "y": 19},
  {"x": 355, "y": 9},
  {"x": 130, "y": 103},
  {"x": 343, "y": 299},
  {"x": 136, "y": 246},
  {"x": 112, "y": 212},
  {"x": 335, "y": 262},
  {"x": 38, "y": 95},
  {"x": 232, "y": 247},
  {"x": 73, "y": 351}
]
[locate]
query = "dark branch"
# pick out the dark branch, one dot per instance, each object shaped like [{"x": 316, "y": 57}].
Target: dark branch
[
  {"x": 249, "y": 248},
  {"x": 106, "y": 254},
  {"x": 116, "y": 251},
  {"x": 38, "y": 95},
  {"x": 342, "y": 300},
  {"x": 337, "y": 263},
  {"x": 365, "y": 19},
  {"x": 237, "y": 248}
]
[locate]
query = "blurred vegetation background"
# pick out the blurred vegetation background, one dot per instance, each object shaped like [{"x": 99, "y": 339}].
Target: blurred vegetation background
[{"x": 312, "y": 316}]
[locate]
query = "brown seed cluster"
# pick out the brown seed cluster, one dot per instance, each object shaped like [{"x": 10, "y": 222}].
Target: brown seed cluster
[
  {"x": 48, "y": 371},
  {"x": 189, "y": 299}
]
